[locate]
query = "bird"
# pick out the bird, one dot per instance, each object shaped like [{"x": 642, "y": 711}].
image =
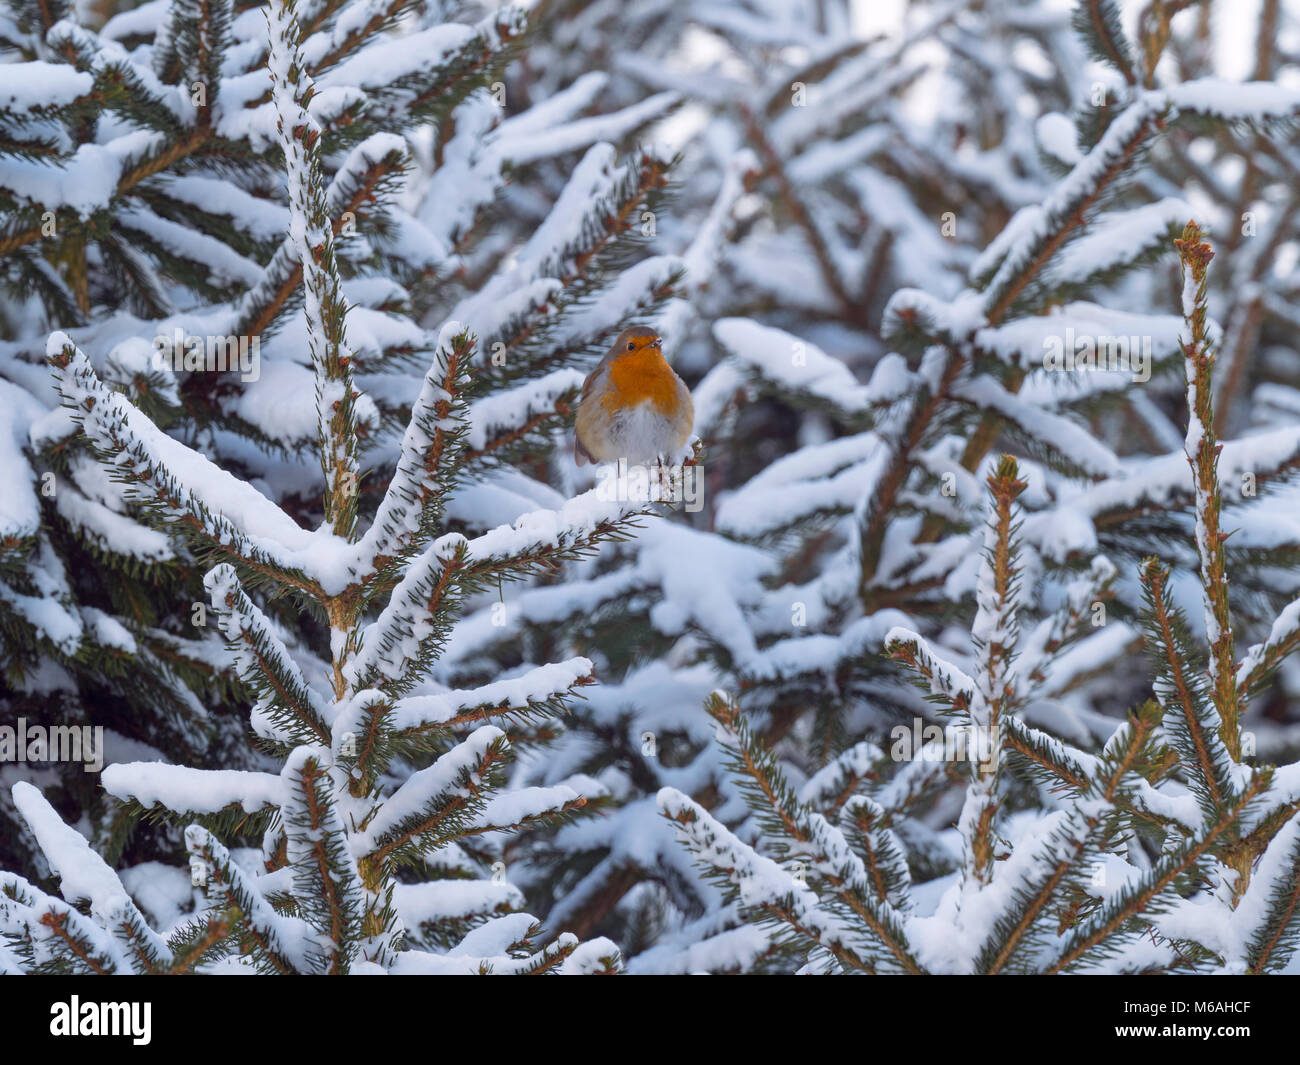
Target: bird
[{"x": 633, "y": 405}]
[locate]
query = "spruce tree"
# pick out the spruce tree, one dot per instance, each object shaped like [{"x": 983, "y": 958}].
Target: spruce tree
[
  {"x": 376, "y": 830},
  {"x": 142, "y": 185}
]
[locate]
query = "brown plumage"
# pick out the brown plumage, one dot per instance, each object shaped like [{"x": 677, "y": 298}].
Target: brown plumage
[{"x": 633, "y": 405}]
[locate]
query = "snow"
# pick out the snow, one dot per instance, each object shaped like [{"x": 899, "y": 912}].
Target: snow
[
  {"x": 1056, "y": 134},
  {"x": 269, "y": 402},
  {"x": 1135, "y": 123},
  {"x": 449, "y": 900},
  {"x": 224, "y": 266},
  {"x": 822, "y": 653},
  {"x": 42, "y": 86},
  {"x": 701, "y": 584},
  {"x": 817, "y": 479},
  {"x": 507, "y": 409},
  {"x": 230, "y": 499},
  {"x": 83, "y": 875},
  {"x": 261, "y": 218},
  {"x": 525, "y": 804},
  {"x": 537, "y": 685},
  {"x": 140, "y": 20},
  {"x": 1119, "y": 237},
  {"x": 703, "y": 252},
  {"x": 380, "y": 64},
  {"x": 521, "y": 148},
  {"x": 84, "y": 184},
  {"x": 46, "y": 610},
  {"x": 593, "y": 177},
  {"x": 494, "y": 937},
  {"x": 19, "y": 510},
  {"x": 198, "y": 791},
  {"x": 790, "y": 363},
  {"x": 1236, "y": 100},
  {"x": 427, "y": 787},
  {"x": 1074, "y": 441},
  {"x": 1024, "y": 341}
]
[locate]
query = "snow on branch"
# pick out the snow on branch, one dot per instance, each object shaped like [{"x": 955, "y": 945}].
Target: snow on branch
[
  {"x": 85, "y": 877},
  {"x": 184, "y": 790},
  {"x": 275, "y": 939},
  {"x": 761, "y": 884},
  {"x": 313, "y": 239},
  {"x": 1202, "y": 451},
  {"x": 792, "y": 365},
  {"x": 414, "y": 499},
  {"x": 1262, "y": 658},
  {"x": 412, "y": 629},
  {"x": 178, "y": 483},
  {"x": 326, "y": 880},
  {"x": 434, "y": 804},
  {"x": 285, "y": 699}
]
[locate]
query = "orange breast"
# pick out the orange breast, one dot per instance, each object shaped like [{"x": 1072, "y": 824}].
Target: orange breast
[{"x": 640, "y": 376}]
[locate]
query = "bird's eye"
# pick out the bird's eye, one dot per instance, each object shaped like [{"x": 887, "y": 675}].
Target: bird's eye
[{"x": 630, "y": 345}]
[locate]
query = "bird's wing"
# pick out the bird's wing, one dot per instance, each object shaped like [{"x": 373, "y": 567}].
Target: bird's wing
[
  {"x": 590, "y": 382},
  {"x": 685, "y": 412},
  {"x": 580, "y": 454}
]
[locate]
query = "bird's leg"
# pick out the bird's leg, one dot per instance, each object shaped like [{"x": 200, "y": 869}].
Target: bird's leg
[{"x": 668, "y": 483}]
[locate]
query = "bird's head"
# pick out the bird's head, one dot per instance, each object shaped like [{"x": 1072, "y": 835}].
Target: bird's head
[{"x": 638, "y": 338}]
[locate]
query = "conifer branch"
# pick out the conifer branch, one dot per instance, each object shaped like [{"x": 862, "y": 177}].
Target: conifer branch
[
  {"x": 85, "y": 876},
  {"x": 1100, "y": 26},
  {"x": 326, "y": 880},
  {"x": 995, "y": 634},
  {"x": 436, "y": 804},
  {"x": 413, "y": 502},
  {"x": 1277, "y": 933},
  {"x": 1152, "y": 890},
  {"x": 264, "y": 662},
  {"x": 1263, "y": 658},
  {"x": 844, "y": 870},
  {"x": 1202, "y": 448},
  {"x": 1189, "y": 712},
  {"x": 1091, "y": 824},
  {"x": 313, "y": 237},
  {"x": 764, "y": 884},
  {"x": 352, "y": 195},
  {"x": 877, "y": 512},
  {"x": 72, "y": 936},
  {"x": 252, "y": 916},
  {"x": 139, "y": 453}
]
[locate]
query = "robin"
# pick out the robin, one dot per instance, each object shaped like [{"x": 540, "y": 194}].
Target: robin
[{"x": 633, "y": 405}]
